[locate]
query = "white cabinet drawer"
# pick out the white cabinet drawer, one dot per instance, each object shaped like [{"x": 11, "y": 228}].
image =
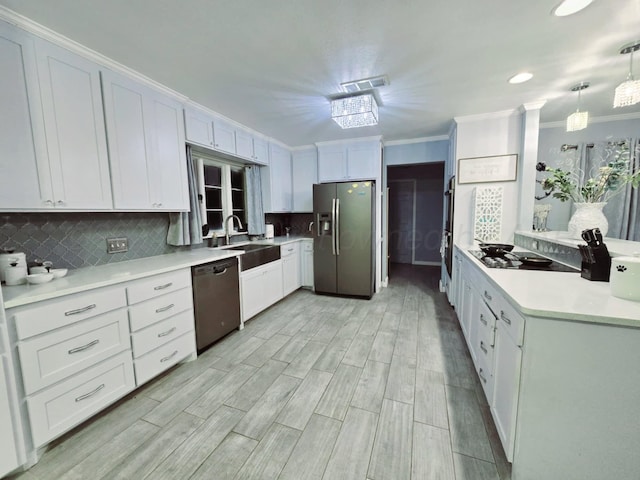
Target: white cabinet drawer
[
  {"x": 512, "y": 320},
  {"x": 142, "y": 290},
  {"x": 289, "y": 249},
  {"x": 486, "y": 323},
  {"x": 486, "y": 380},
  {"x": 52, "y": 314},
  {"x": 64, "y": 405},
  {"x": 147, "y": 313},
  {"x": 164, "y": 357},
  {"x": 51, "y": 357},
  {"x": 159, "y": 333},
  {"x": 307, "y": 245}
]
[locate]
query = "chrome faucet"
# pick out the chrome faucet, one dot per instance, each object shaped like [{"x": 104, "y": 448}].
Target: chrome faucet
[{"x": 226, "y": 226}]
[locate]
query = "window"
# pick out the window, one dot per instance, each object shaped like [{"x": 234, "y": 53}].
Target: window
[{"x": 222, "y": 193}]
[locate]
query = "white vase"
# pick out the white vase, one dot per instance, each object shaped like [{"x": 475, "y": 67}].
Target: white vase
[{"x": 587, "y": 216}]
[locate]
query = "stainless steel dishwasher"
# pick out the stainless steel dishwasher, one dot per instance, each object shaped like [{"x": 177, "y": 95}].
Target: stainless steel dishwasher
[{"x": 216, "y": 300}]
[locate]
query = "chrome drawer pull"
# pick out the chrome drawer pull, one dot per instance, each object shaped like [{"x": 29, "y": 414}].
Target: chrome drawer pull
[
  {"x": 168, "y": 332},
  {"x": 482, "y": 319},
  {"x": 84, "y": 347},
  {"x": 90, "y": 394},
  {"x": 505, "y": 318},
  {"x": 164, "y": 309},
  {"x": 483, "y": 348},
  {"x": 80, "y": 310},
  {"x": 487, "y": 296},
  {"x": 166, "y": 359},
  {"x": 482, "y": 376},
  {"x": 162, "y": 287}
]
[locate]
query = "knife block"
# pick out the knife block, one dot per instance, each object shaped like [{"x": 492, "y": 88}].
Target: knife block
[{"x": 598, "y": 269}]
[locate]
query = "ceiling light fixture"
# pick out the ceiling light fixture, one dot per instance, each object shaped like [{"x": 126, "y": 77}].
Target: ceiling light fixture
[
  {"x": 521, "y": 77},
  {"x": 628, "y": 92},
  {"x": 356, "y": 111},
  {"x": 578, "y": 120},
  {"x": 569, "y": 7},
  {"x": 364, "y": 84}
]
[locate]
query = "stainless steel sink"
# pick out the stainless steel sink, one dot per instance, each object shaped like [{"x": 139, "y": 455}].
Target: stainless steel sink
[{"x": 256, "y": 254}]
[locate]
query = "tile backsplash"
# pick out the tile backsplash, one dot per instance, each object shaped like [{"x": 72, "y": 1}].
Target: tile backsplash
[
  {"x": 298, "y": 222},
  {"x": 75, "y": 240}
]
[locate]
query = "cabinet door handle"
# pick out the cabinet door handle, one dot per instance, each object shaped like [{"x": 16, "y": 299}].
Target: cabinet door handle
[
  {"x": 80, "y": 310},
  {"x": 487, "y": 296},
  {"x": 482, "y": 319},
  {"x": 60, "y": 202},
  {"x": 506, "y": 319},
  {"x": 482, "y": 377},
  {"x": 164, "y": 309},
  {"x": 162, "y": 287},
  {"x": 168, "y": 332},
  {"x": 90, "y": 394},
  {"x": 483, "y": 348},
  {"x": 169, "y": 357},
  {"x": 48, "y": 202},
  {"x": 84, "y": 347}
]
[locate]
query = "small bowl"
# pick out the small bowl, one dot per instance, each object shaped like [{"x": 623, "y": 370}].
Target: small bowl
[
  {"x": 36, "y": 278},
  {"x": 59, "y": 272}
]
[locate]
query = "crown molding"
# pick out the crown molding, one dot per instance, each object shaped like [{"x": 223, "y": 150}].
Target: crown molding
[
  {"x": 604, "y": 119},
  {"x": 436, "y": 138},
  {"x": 527, "y": 107}
]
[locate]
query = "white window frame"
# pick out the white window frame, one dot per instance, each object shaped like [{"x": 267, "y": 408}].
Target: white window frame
[{"x": 227, "y": 199}]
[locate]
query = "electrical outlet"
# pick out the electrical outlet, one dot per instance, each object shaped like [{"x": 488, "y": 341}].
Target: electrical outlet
[
  {"x": 534, "y": 245},
  {"x": 117, "y": 245}
]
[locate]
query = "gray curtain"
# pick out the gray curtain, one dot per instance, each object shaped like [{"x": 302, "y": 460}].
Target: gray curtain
[
  {"x": 255, "y": 210},
  {"x": 185, "y": 228},
  {"x": 622, "y": 209}
]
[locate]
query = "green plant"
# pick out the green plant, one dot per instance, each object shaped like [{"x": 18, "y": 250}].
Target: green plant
[{"x": 605, "y": 182}]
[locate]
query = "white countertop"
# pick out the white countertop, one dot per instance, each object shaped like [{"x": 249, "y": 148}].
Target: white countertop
[
  {"x": 616, "y": 247},
  {"x": 87, "y": 278},
  {"x": 563, "y": 295}
]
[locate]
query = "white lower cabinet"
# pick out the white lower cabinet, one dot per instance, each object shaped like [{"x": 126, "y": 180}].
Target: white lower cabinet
[
  {"x": 306, "y": 261},
  {"x": 55, "y": 410},
  {"x": 162, "y": 322},
  {"x": 290, "y": 256},
  {"x": 260, "y": 288},
  {"x": 9, "y": 452}
]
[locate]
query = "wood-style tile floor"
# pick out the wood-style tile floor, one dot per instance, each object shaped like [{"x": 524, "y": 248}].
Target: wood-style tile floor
[{"x": 316, "y": 387}]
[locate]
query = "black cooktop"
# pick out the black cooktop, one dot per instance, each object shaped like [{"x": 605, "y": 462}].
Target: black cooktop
[{"x": 510, "y": 261}]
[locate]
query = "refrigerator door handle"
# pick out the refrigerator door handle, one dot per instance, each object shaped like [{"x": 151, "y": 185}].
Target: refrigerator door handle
[
  {"x": 337, "y": 226},
  {"x": 333, "y": 226}
]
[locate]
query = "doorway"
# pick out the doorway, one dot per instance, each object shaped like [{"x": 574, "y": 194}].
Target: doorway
[{"x": 415, "y": 213}]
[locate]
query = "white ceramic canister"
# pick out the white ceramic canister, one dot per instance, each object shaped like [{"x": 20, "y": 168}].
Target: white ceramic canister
[
  {"x": 625, "y": 277},
  {"x": 5, "y": 260},
  {"x": 269, "y": 230},
  {"x": 15, "y": 273}
]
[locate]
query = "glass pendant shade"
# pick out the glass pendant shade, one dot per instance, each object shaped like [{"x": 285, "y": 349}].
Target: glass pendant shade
[
  {"x": 358, "y": 111},
  {"x": 577, "y": 121},
  {"x": 627, "y": 93}
]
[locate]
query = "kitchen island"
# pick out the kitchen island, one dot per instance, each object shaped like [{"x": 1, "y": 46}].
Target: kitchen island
[{"x": 557, "y": 356}]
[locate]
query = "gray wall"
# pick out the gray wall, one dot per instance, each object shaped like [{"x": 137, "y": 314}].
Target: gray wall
[
  {"x": 550, "y": 141},
  {"x": 75, "y": 240},
  {"x": 429, "y": 204}
]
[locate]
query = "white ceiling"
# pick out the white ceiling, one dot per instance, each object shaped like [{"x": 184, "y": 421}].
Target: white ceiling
[{"x": 270, "y": 64}]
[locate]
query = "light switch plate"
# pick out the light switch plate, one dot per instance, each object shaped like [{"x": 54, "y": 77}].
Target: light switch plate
[{"x": 117, "y": 245}]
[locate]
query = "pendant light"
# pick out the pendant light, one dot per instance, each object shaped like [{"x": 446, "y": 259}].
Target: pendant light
[
  {"x": 628, "y": 92},
  {"x": 578, "y": 120}
]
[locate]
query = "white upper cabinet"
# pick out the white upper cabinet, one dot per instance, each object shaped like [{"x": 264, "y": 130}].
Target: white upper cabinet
[
  {"x": 276, "y": 181},
  {"x": 304, "y": 169},
  {"x": 199, "y": 128},
  {"x": 224, "y": 136},
  {"x": 146, "y": 146},
  {"x": 359, "y": 160},
  {"x": 75, "y": 130},
  {"x": 25, "y": 182},
  {"x": 261, "y": 151},
  {"x": 244, "y": 144}
]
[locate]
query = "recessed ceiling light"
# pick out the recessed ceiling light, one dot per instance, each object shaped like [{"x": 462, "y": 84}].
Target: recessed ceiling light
[
  {"x": 521, "y": 77},
  {"x": 569, "y": 7}
]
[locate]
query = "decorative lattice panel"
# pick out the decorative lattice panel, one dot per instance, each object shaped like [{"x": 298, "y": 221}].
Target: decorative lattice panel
[{"x": 487, "y": 218}]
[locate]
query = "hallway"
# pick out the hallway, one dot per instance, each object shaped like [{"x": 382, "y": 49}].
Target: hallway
[{"x": 316, "y": 387}]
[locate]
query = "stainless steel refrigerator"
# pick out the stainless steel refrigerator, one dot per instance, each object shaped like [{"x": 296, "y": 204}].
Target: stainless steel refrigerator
[{"x": 344, "y": 238}]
